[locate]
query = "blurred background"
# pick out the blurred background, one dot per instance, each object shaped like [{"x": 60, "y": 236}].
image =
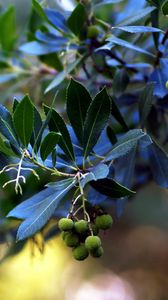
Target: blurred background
[
  {"x": 135, "y": 263},
  {"x": 134, "y": 266}
]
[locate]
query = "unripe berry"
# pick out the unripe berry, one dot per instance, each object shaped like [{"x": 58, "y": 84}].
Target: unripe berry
[
  {"x": 95, "y": 229},
  {"x": 104, "y": 222},
  {"x": 71, "y": 239},
  {"x": 81, "y": 226},
  {"x": 166, "y": 84},
  {"x": 65, "y": 224},
  {"x": 92, "y": 243},
  {"x": 63, "y": 235},
  {"x": 97, "y": 253},
  {"x": 80, "y": 252},
  {"x": 92, "y": 31}
]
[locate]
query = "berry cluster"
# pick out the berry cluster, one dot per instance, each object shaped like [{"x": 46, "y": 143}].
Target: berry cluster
[{"x": 82, "y": 236}]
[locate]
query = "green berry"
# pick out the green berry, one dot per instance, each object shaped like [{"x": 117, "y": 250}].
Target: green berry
[
  {"x": 81, "y": 226},
  {"x": 92, "y": 243},
  {"x": 64, "y": 234},
  {"x": 80, "y": 252},
  {"x": 95, "y": 229},
  {"x": 104, "y": 222},
  {"x": 166, "y": 84},
  {"x": 92, "y": 31},
  {"x": 98, "y": 252},
  {"x": 65, "y": 224},
  {"x": 71, "y": 239}
]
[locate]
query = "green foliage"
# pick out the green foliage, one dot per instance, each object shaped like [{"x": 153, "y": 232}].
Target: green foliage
[{"x": 107, "y": 134}]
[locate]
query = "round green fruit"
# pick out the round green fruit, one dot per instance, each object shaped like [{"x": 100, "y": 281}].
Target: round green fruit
[
  {"x": 166, "y": 84},
  {"x": 95, "y": 229},
  {"x": 92, "y": 243},
  {"x": 98, "y": 252},
  {"x": 63, "y": 234},
  {"x": 81, "y": 226},
  {"x": 71, "y": 239},
  {"x": 92, "y": 31},
  {"x": 104, "y": 222},
  {"x": 80, "y": 252},
  {"x": 65, "y": 224}
]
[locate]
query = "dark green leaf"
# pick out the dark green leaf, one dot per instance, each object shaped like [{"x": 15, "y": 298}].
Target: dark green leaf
[
  {"x": 145, "y": 102},
  {"x": 57, "y": 124},
  {"x": 54, "y": 157},
  {"x": 111, "y": 135},
  {"x": 165, "y": 8},
  {"x": 118, "y": 116},
  {"x": 5, "y": 149},
  {"x": 39, "y": 10},
  {"x": 96, "y": 119},
  {"x": 111, "y": 188},
  {"x": 37, "y": 132},
  {"x": 120, "y": 82},
  {"x": 52, "y": 60},
  {"x": 78, "y": 101},
  {"x": 48, "y": 144},
  {"x": 23, "y": 119},
  {"x": 77, "y": 19},
  {"x": 6, "y": 125}
]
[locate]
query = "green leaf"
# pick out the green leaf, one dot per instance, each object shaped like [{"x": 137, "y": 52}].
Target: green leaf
[
  {"x": 5, "y": 149},
  {"x": 118, "y": 116},
  {"x": 111, "y": 188},
  {"x": 111, "y": 135},
  {"x": 52, "y": 60},
  {"x": 8, "y": 29},
  {"x": 39, "y": 10},
  {"x": 145, "y": 102},
  {"x": 6, "y": 126},
  {"x": 23, "y": 119},
  {"x": 78, "y": 101},
  {"x": 96, "y": 119},
  {"x": 57, "y": 124},
  {"x": 54, "y": 157},
  {"x": 120, "y": 82},
  {"x": 77, "y": 19},
  {"x": 165, "y": 8},
  {"x": 48, "y": 144},
  {"x": 37, "y": 132}
]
